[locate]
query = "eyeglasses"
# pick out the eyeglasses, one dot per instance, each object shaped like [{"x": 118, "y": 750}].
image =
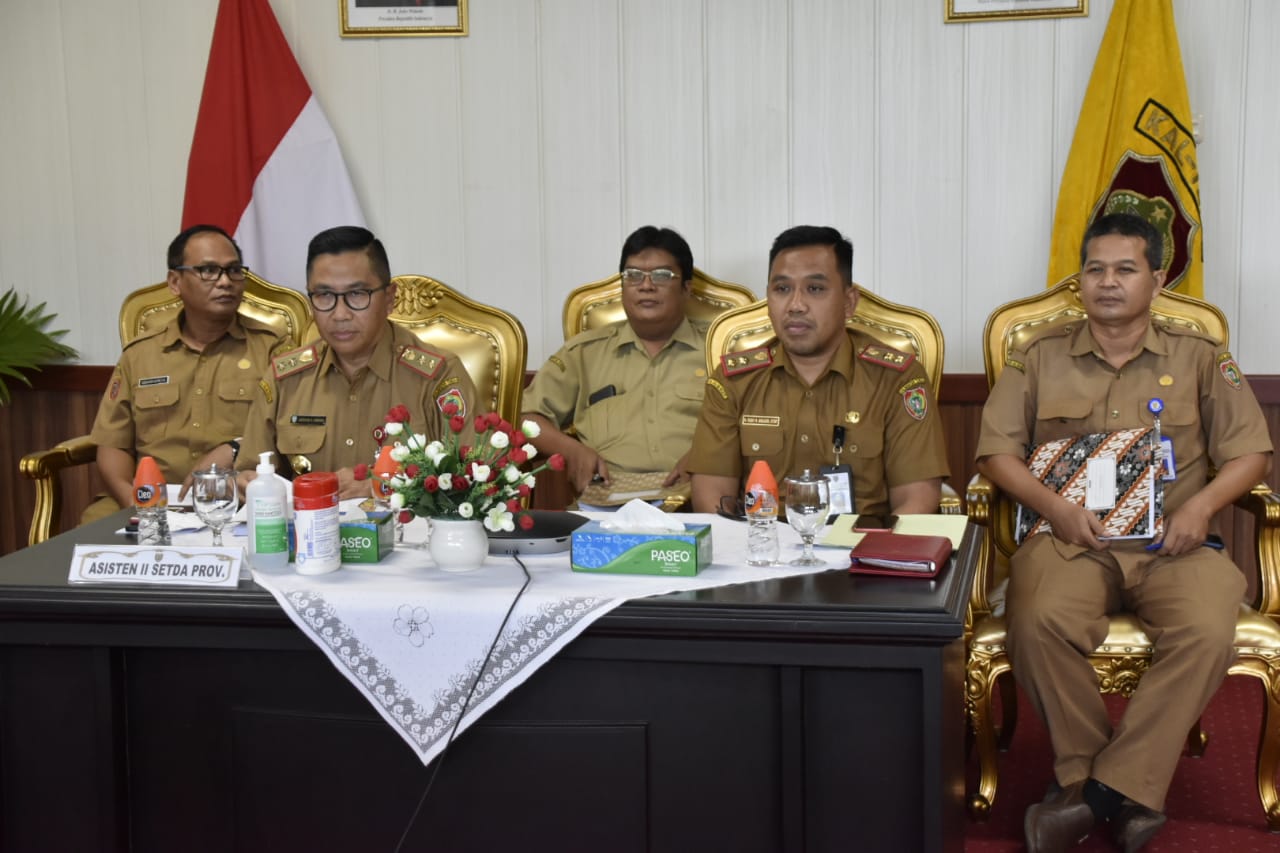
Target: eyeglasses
[
  {"x": 357, "y": 300},
  {"x": 213, "y": 272},
  {"x": 632, "y": 277}
]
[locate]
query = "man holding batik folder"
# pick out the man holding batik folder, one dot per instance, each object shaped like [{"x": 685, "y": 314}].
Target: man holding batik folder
[{"x": 1118, "y": 370}]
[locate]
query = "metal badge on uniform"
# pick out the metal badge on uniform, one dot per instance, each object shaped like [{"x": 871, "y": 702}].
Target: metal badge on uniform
[
  {"x": 308, "y": 420},
  {"x": 1166, "y": 380},
  {"x": 244, "y": 364},
  {"x": 153, "y": 380}
]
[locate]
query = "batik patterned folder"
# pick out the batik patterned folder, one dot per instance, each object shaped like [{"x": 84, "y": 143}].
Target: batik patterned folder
[{"x": 1062, "y": 465}]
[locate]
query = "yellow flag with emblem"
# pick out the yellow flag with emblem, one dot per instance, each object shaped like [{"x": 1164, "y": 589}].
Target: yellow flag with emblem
[{"x": 1133, "y": 150}]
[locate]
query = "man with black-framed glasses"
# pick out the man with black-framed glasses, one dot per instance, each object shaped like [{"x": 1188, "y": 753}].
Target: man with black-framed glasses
[
  {"x": 631, "y": 389},
  {"x": 181, "y": 392},
  {"x": 317, "y": 407}
]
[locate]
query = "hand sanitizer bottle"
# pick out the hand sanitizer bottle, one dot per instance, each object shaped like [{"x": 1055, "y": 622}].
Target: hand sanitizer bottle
[{"x": 268, "y": 511}]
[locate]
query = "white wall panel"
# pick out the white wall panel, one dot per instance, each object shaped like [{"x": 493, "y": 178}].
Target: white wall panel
[
  {"x": 748, "y": 118},
  {"x": 1254, "y": 334},
  {"x": 512, "y": 162},
  {"x": 581, "y": 191}
]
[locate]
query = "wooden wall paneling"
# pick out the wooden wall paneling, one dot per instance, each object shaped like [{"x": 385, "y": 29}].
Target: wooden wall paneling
[
  {"x": 501, "y": 162},
  {"x": 833, "y": 88},
  {"x": 1005, "y": 83},
  {"x": 748, "y": 141},
  {"x": 662, "y": 60},
  {"x": 1259, "y": 180},
  {"x": 581, "y": 190},
  {"x": 919, "y": 121},
  {"x": 1214, "y": 62}
]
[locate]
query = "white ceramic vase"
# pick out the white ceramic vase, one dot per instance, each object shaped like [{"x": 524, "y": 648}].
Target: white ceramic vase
[{"x": 458, "y": 545}]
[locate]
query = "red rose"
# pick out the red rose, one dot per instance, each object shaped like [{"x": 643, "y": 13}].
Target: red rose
[
  {"x": 523, "y": 491},
  {"x": 481, "y": 423},
  {"x": 556, "y": 462},
  {"x": 360, "y": 472},
  {"x": 431, "y": 483},
  {"x": 513, "y": 505},
  {"x": 398, "y": 414},
  {"x": 491, "y": 491},
  {"x": 518, "y": 457},
  {"x": 504, "y": 426},
  {"x": 412, "y": 471},
  {"x": 457, "y": 423},
  {"x": 449, "y": 409},
  {"x": 526, "y": 521},
  {"x": 519, "y": 439},
  {"x": 464, "y": 451},
  {"x": 492, "y": 419},
  {"x": 405, "y": 516}
]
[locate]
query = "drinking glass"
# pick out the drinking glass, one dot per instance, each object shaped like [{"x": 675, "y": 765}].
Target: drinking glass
[
  {"x": 213, "y": 492},
  {"x": 808, "y": 501}
]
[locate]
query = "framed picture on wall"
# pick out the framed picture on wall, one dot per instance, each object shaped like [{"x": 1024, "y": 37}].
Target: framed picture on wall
[
  {"x": 962, "y": 11},
  {"x": 381, "y": 18}
]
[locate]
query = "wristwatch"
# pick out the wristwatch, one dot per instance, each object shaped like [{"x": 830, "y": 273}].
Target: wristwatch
[{"x": 234, "y": 444}]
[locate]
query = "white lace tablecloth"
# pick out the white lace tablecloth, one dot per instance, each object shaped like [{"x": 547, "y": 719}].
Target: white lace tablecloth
[{"x": 414, "y": 639}]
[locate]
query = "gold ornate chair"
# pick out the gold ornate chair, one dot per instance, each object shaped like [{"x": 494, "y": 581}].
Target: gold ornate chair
[
  {"x": 899, "y": 326},
  {"x": 490, "y": 342},
  {"x": 1126, "y": 652},
  {"x": 600, "y": 302},
  {"x": 145, "y": 309}
]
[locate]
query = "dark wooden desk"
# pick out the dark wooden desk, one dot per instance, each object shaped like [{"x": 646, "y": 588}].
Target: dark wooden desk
[{"x": 814, "y": 713}]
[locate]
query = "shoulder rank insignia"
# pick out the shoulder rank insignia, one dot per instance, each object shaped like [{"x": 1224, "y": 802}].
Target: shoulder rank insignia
[
  {"x": 266, "y": 390},
  {"x": 422, "y": 361},
  {"x": 1229, "y": 369},
  {"x": 887, "y": 357},
  {"x": 294, "y": 362},
  {"x": 746, "y": 361}
]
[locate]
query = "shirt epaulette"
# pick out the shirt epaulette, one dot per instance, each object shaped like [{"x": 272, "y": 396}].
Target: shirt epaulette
[
  {"x": 1175, "y": 328},
  {"x": 745, "y": 361},
  {"x": 422, "y": 361},
  {"x": 887, "y": 357},
  {"x": 294, "y": 361}
]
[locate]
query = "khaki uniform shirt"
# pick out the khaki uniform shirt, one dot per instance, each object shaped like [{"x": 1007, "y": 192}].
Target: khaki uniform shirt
[
  {"x": 893, "y": 433},
  {"x": 168, "y": 401},
  {"x": 1062, "y": 387},
  {"x": 646, "y": 425},
  {"x": 314, "y": 419}
]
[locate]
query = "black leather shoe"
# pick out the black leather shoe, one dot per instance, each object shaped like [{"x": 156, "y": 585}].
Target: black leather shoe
[
  {"x": 1059, "y": 822},
  {"x": 1134, "y": 825}
]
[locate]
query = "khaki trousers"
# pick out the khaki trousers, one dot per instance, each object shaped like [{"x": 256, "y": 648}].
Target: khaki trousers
[{"x": 1058, "y": 605}]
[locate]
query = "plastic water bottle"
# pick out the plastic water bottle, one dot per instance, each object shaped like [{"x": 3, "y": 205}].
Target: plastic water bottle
[
  {"x": 268, "y": 512},
  {"x": 151, "y": 503},
  {"x": 761, "y": 502}
]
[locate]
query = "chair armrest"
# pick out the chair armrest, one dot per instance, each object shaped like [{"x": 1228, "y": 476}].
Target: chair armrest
[
  {"x": 980, "y": 498},
  {"x": 1264, "y": 505},
  {"x": 43, "y": 467},
  {"x": 950, "y": 503}
]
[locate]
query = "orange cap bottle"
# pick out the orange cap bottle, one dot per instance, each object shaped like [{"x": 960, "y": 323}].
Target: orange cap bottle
[
  {"x": 762, "y": 490},
  {"x": 383, "y": 470},
  {"x": 148, "y": 484}
]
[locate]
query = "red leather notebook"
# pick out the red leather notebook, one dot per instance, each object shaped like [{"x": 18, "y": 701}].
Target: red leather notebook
[{"x": 901, "y": 554}]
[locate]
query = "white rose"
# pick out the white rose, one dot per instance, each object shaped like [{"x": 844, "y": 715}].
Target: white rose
[
  {"x": 399, "y": 453},
  {"x": 394, "y": 428},
  {"x": 399, "y": 481},
  {"x": 397, "y": 501},
  {"x": 499, "y": 519},
  {"x": 445, "y": 481},
  {"x": 499, "y": 440},
  {"x": 529, "y": 480},
  {"x": 531, "y": 429},
  {"x": 466, "y": 510},
  {"x": 417, "y": 441},
  {"x": 480, "y": 473},
  {"x": 511, "y": 474},
  {"x": 530, "y": 450}
]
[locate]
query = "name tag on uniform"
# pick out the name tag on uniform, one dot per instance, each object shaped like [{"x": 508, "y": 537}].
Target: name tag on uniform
[
  {"x": 307, "y": 420},
  {"x": 761, "y": 420},
  {"x": 153, "y": 380}
]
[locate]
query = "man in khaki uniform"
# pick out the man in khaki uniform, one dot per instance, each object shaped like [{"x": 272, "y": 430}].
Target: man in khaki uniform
[
  {"x": 318, "y": 407},
  {"x": 1096, "y": 376},
  {"x": 631, "y": 389},
  {"x": 781, "y": 402},
  {"x": 181, "y": 392}
]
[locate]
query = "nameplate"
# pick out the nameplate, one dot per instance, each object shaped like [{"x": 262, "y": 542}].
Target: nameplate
[{"x": 165, "y": 565}]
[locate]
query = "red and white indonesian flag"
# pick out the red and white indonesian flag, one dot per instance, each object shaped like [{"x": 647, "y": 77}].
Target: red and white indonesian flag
[{"x": 264, "y": 163}]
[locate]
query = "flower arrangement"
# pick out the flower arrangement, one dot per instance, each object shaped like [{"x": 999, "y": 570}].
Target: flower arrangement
[{"x": 448, "y": 479}]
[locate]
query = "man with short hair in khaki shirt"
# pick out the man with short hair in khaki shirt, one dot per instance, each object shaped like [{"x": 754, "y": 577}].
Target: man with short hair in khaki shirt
[
  {"x": 632, "y": 389},
  {"x": 781, "y": 402},
  {"x": 318, "y": 407},
  {"x": 181, "y": 393},
  {"x": 1098, "y": 376}
]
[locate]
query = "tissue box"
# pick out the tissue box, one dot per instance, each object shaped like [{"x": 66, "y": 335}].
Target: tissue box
[
  {"x": 594, "y": 549},
  {"x": 364, "y": 541}
]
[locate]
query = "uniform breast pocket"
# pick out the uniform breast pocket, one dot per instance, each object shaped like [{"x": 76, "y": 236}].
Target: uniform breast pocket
[
  {"x": 236, "y": 389},
  {"x": 688, "y": 396},
  {"x": 1180, "y": 422},
  {"x": 604, "y": 422},
  {"x": 294, "y": 439},
  {"x": 759, "y": 441},
  {"x": 1060, "y": 418},
  {"x": 155, "y": 407}
]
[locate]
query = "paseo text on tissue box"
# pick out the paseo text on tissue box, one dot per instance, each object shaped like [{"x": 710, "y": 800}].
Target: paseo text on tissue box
[{"x": 594, "y": 549}]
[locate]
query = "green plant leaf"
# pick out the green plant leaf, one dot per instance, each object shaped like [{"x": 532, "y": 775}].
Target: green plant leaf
[{"x": 26, "y": 342}]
